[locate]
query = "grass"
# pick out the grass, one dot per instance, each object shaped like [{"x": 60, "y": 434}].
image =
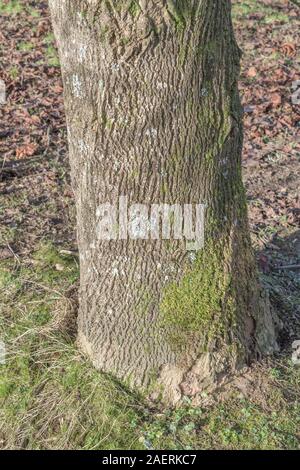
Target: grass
[
  {"x": 52, "y": 56},
  {"x": 11, "y": 7},
  {"x": 25, "y": 46},
  {"x": 52, "y": 398},
  {"x": 16, "y": 7},
  {"x": 242, "y": 10}
]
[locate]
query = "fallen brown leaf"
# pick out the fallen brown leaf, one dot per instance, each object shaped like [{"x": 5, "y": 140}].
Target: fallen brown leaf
[
  {"x": 252, "y": 72},
  {"x": 288, "y": 49},
  {"x": 276, "y": 99},
  {"x": 26, "y": 150}
]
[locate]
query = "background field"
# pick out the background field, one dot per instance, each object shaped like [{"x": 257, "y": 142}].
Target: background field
[{"x": 50, "y": 396}]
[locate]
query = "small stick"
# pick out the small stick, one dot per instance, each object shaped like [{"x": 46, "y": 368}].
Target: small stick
[{"x": 288, "y": 266}]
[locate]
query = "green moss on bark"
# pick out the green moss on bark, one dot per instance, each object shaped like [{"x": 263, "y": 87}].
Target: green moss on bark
[
  {"x": 134, "y": 8},
  {"x": 181, "y": 11},
  {"x": 202, "y": 303},
  {"x": 219, "y": 125}
]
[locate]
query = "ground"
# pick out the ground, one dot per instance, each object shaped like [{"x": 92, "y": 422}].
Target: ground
[{"x": 50, "y": 396}]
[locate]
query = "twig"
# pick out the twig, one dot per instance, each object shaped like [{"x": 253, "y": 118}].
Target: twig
[{"x": 288, "y": 266}]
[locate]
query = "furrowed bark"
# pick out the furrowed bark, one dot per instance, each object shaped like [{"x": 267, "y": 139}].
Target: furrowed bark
[{"x": 153, "y": 113}]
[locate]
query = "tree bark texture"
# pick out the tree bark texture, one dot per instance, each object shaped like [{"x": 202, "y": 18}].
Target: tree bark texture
[{"x": 153, "y": 113}]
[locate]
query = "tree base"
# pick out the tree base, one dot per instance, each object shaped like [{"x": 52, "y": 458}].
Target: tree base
[{"x": 210, "y": 371}]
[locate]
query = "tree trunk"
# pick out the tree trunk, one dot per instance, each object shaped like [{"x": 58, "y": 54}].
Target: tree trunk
[{"x": 154, "y": 114}]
